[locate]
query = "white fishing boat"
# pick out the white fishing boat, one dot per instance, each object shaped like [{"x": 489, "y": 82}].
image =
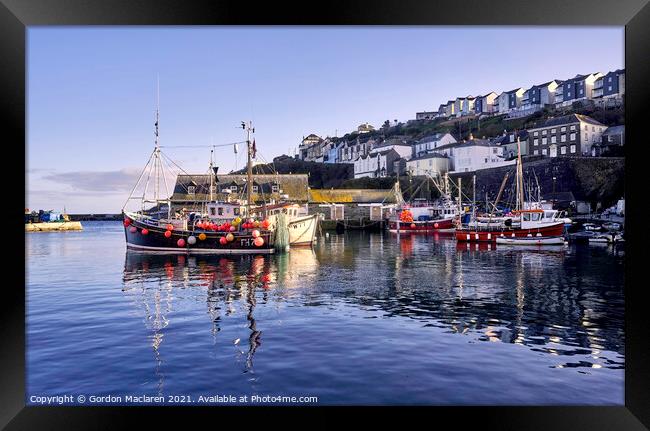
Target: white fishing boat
[
  {"x": 530, "y": 240},
  {"x": 303, "y": 227}
]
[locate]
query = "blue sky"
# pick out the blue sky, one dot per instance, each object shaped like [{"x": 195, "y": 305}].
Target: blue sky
[{"x": 92, "y": 90}]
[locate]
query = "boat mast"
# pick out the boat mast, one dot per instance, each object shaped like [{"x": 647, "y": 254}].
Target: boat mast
[
  {"x": 519, "y": 180},
  {"x": 249, "y": 167}
]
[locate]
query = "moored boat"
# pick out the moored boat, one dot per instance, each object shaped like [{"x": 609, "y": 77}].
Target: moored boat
[{"x": 530, "y": 240}]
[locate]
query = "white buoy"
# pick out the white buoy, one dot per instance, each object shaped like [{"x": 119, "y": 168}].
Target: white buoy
[{"x": 191, "y": 240}]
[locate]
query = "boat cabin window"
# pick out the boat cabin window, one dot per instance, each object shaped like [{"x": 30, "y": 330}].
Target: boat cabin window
[
  {"x": 220, "y": 211},
  {"x": 213, "y": 211},
  {"x": 255, "y": 189},
  {"x": 275, "y": 188},
  {"x": 190, "y": 190},
  {"x": 233, "y": 188},
  {"x": 235, "y": 211}
]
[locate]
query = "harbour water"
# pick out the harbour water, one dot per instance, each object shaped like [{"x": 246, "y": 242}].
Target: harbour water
[{"x": 362, "y": 318}]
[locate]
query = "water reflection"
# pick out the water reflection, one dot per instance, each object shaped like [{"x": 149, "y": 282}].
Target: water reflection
[{"x": 558, "y": 302}]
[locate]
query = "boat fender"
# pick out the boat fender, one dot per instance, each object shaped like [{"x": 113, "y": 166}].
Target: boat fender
[
  {"x": 168, "y": 233},
  {"x": 133, "y": 229},
  {"x": 191, "y": 240},
  {"x": 145, "y": 231},
  {"x": 180, "y": 242}
]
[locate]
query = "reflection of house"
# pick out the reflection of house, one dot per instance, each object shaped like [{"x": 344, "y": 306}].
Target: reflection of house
[
  {"x": 191, "y": 188},
  {"x": 569, "y": 135},
  {"x": 432, "y": 163}
]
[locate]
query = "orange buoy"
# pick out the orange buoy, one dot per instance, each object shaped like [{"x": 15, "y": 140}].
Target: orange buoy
[
  {"x": 202, "y": 236},
  {"x": 230, "y": 237},
  {"x": 170, "y": 227},
  {"x": 168, "y": 234}
]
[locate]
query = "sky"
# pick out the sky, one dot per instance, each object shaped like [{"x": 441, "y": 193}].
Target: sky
[{"x": 92, "y": 91}]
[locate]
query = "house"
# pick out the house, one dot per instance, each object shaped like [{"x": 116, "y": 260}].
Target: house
[
  {"x": 426, "y": 115},
  {"x": 309, "y": 149},
  {"x": 577, "y": 89},
  {"x": 431, "y": 163},
  {"x": 468, "y": 107},
  {"x": 429, "y": 143},
  {"x": 609, "y": 89},
  {"x": 612, "y": 141},
  {"x": 450, "y": 109},
  {"x": 538, "y": 97},
  {"x": 334, "y": 152},
  {"x": 485, "y": 104},
  {"x": 460, "y": 105},
  {"x": 568, "y": 135},
  {"x": 442, "y": 109},
  {"x": 508, "y": 141},
  {"x": 510, "y": 100},
  {"x": 475, "y": 154},
  {"x": 398, "y": 143},
  {"x": 375, "y": 165},
  {"x": 191, "y": 188},
  {"x": 365, "y": 128}
]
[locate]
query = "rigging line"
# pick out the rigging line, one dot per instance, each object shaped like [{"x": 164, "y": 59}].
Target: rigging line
[
  {"x": 146, "y": 186},
  {"x": 202, "y": 146},
  {"x": 138, "y": 182}
]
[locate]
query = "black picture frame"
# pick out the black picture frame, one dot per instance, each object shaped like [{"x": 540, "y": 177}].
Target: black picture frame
[{"x": 16, "y": 15}]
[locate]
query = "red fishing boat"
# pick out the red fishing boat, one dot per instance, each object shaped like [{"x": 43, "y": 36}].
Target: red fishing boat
[{"x": 521, "y": 223}]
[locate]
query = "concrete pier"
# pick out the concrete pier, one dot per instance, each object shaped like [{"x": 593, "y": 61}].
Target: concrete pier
[{"x": 53, "y": 226}]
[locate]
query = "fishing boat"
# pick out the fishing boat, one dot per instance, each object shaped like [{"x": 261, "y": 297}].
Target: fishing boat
[
  {"x": 216, "y": 228},
  {"x": 523, "y": 222},
  {"x": 301, "y": 225},
  {"x": 421, "y": 215}
]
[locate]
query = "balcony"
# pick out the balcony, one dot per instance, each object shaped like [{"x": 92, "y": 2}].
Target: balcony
[
  {"x": 597, "y": 92},
  {"x": 598, "y": 83}
]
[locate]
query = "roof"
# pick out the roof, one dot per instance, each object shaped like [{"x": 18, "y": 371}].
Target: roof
[
  {"x": 505, "y": 139},
  {"x": 567, "y": 119},
  {"x": 487, "y": 94},
  {"x": 295, "y": 185},
  {"x": 469, "y": 143},
  {"x": 615, "y": 130},
  {"x": 429, "y": 156},
  {"x": 312, "y": 136},
  {"x": 513, "y": 91},
  {"x": 432, "y": 138},
  {"x": 351, "y": 195}
]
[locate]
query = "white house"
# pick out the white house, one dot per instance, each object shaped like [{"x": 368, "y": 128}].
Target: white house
[
  {"x": 474, "y": 154},
  {"x": 430, "y": 143},
  {"x": 432, "y": 163},
  {"x": 400, "y": 145}
]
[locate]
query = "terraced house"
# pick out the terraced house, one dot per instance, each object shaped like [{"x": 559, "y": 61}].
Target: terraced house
[
  {"x": 538, "y": 97},
  {"x": 609, "y": 89},
  {"x": 569, "y": 135},
  {"x": 510, "y": 100},
  {"x": 486, "y": 104},
  {"x": 579, "y": 88}
]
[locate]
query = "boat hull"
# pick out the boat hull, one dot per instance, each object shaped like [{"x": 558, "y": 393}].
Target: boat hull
[
  {"x": 491, "y": 235},
  {"x": 156, "y": 242},
  {"x": 302, "y": 230},
  {"x": 417, "y": 226},
  {"x": 557, "y": 240}
]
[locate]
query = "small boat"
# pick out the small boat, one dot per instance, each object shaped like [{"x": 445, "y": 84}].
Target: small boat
[
  {"x": 612, "y": 226},
  {"x": 531, "y": 240},
  {"x": 302, "y": 226}
]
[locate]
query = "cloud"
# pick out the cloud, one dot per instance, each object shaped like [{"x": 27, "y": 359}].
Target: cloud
[{"x": 96, "y": 181}]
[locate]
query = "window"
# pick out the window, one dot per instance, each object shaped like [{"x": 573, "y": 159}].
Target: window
[
  {"x": 572, "y": 136},
  {"x": 494, "y": 150},
  {"x": 235, "y": 211},
  {"x": 553, "y": 139},
  {"x": 220, "y": 211},
  {"x": 563, "y": 129},
  {"x": 213, "y": 188},
  {"x": 563, "y": 138},
  {"x": 486, "y": 160},
  {"x": 543, "y": 151},
  {"x": 544, "y": 132},
  {"x": 544, "y": 141},
  {"x": 573, "y": 148},
  {"x": 609, "y": 79},
  {"x": 191, "y": 189},
  {"x": 553, "y": 130},
  {"x": 586, "y": 127},
  {"x": 609, "y": 88},
  {"x": 512, "y": 138},
  {"x": 563, "y": 150},
  {"x": 593, "y": 128},
  {"x": 212, "y": 212},
  {"x": 536, "y": 152},
  {"x": 535, "y": 141},
  {"x": 275, "y": 188},
  {"x": 586, "y": 136},
  {"x": 255, "y": 189},
  {"x": 573, "y": 127},
  {"x": 581, "y": 91},
  {"x": 536, "y": 134}
]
